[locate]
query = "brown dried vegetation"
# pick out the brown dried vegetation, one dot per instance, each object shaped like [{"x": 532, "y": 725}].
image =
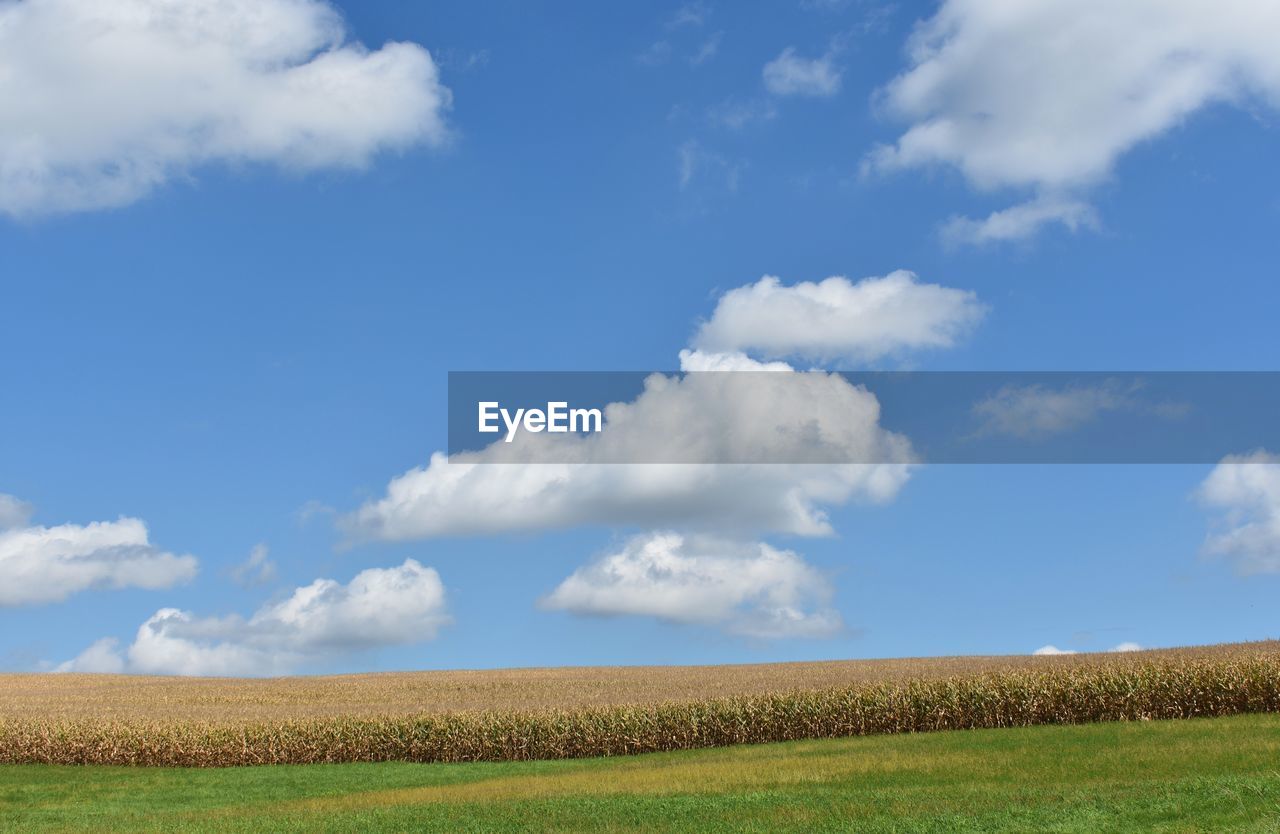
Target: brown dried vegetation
[{"x": 577, "y": 712}]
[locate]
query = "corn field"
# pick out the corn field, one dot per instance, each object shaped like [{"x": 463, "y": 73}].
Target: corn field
[{"x": 1061, "y": 694}]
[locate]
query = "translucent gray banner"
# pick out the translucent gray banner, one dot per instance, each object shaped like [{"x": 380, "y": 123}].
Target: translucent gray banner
[{"x": 821, "y": 417}]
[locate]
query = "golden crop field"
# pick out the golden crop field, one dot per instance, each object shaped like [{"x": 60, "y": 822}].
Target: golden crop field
[{"x": 574, "y": 712}]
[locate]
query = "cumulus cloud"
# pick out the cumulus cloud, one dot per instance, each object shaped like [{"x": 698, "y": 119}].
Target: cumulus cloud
[
  {"x": 838, "y": 319},
  {"x": 317, "y": 622},
  {"x": 1246, "y": 491},
  {"x": 761, "y": 448},
  {"x": 745, "y": 588},
  {"x": 799, "y": 442},
  {"x": 104, "y": 102},
  {"x": 1126, "y": 647},
  {"x": 48, "y": 564},
  {"x": 1046, "y": 96},
  {"x": 791, "y": 75},
  {"x": 790, "y": 425},
  {"x": 257, "y": 570}
]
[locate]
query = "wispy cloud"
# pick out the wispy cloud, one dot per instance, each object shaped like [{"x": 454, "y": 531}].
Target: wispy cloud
[
  {"x": 655, "y": 54},
  {"x": 708, "y": 50},
  {"x": 1021, "y": 221},
  {"x": 1039, "y": 411},
  {"x": 1033, "y": 411},
  {"x": 689, "y": 15},
  {"x": 790, "y": 74},
  {"x": 736, "y": 114},
  {"x": 256, "y": 570},
  {"x": 695, "y": 161}
]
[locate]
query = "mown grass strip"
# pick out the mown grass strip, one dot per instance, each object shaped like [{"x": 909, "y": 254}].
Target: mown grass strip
[{"x": 1154, "y": 776}]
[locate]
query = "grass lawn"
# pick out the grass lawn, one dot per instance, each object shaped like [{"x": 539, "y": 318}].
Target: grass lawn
[{"x": 1198, "y": 775}]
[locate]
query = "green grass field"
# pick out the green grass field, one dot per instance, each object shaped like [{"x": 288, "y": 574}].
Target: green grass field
[{"x": 1218, "y": 774}]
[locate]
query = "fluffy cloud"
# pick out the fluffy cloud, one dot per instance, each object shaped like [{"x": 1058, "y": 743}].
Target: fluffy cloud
[
  {"x": 48, "y": 564},
  {"x": 838, "y": 319},
  {"x": 1048, "y": 95},
  {"x": 1246, "y": 489},
  {"x": 748, "y": 589},
  {"x": 790, "y": 425},
  {"x": 105, "y": 101},
  {"x": 733, "y": 453},
  {"x": 378, "y": 607},
  {"x": 799, "y": 442},
  {"x": 791, "y": 75}
]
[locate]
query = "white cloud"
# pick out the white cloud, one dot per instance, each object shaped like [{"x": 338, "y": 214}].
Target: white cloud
[
  {"x": 1021, "y": 221},
  {"x": 800, "y": 420},
  {"x": 1047, "y": 95},
  {"x": 13, "y": 512},
  {"x": 785, "y": 437},
  {"x": 690, "y": 14},
  {"x": 698, "y": 361},
  {"x": 824, "y": 5},
  {"x": 696, "y": 161},
  {"x": 378, "y": 607},
  {"x": 655, "y": 54},
  {"x": 48, "y": 564},
  {"x": 104, "y": 102},
  {"x": 791, "y": 75},
  {"x": 789, "y": 424},
  {"x": 1051, "y": 650},
  {"x": 750, "y": 589},
  {"x": 257, "y": 570},
  {"x": 736, "y": 114},
  {"x": 838, "y": 319},
  {"x": 103, "y": 657},
  {"x": 1246, "y": 489},
  {"x": 708, "y": 50},
  {"x": 1032, "y": 411}
]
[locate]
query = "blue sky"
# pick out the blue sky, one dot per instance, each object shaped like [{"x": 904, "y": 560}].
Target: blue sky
[{"x": 253, "y": 343}]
